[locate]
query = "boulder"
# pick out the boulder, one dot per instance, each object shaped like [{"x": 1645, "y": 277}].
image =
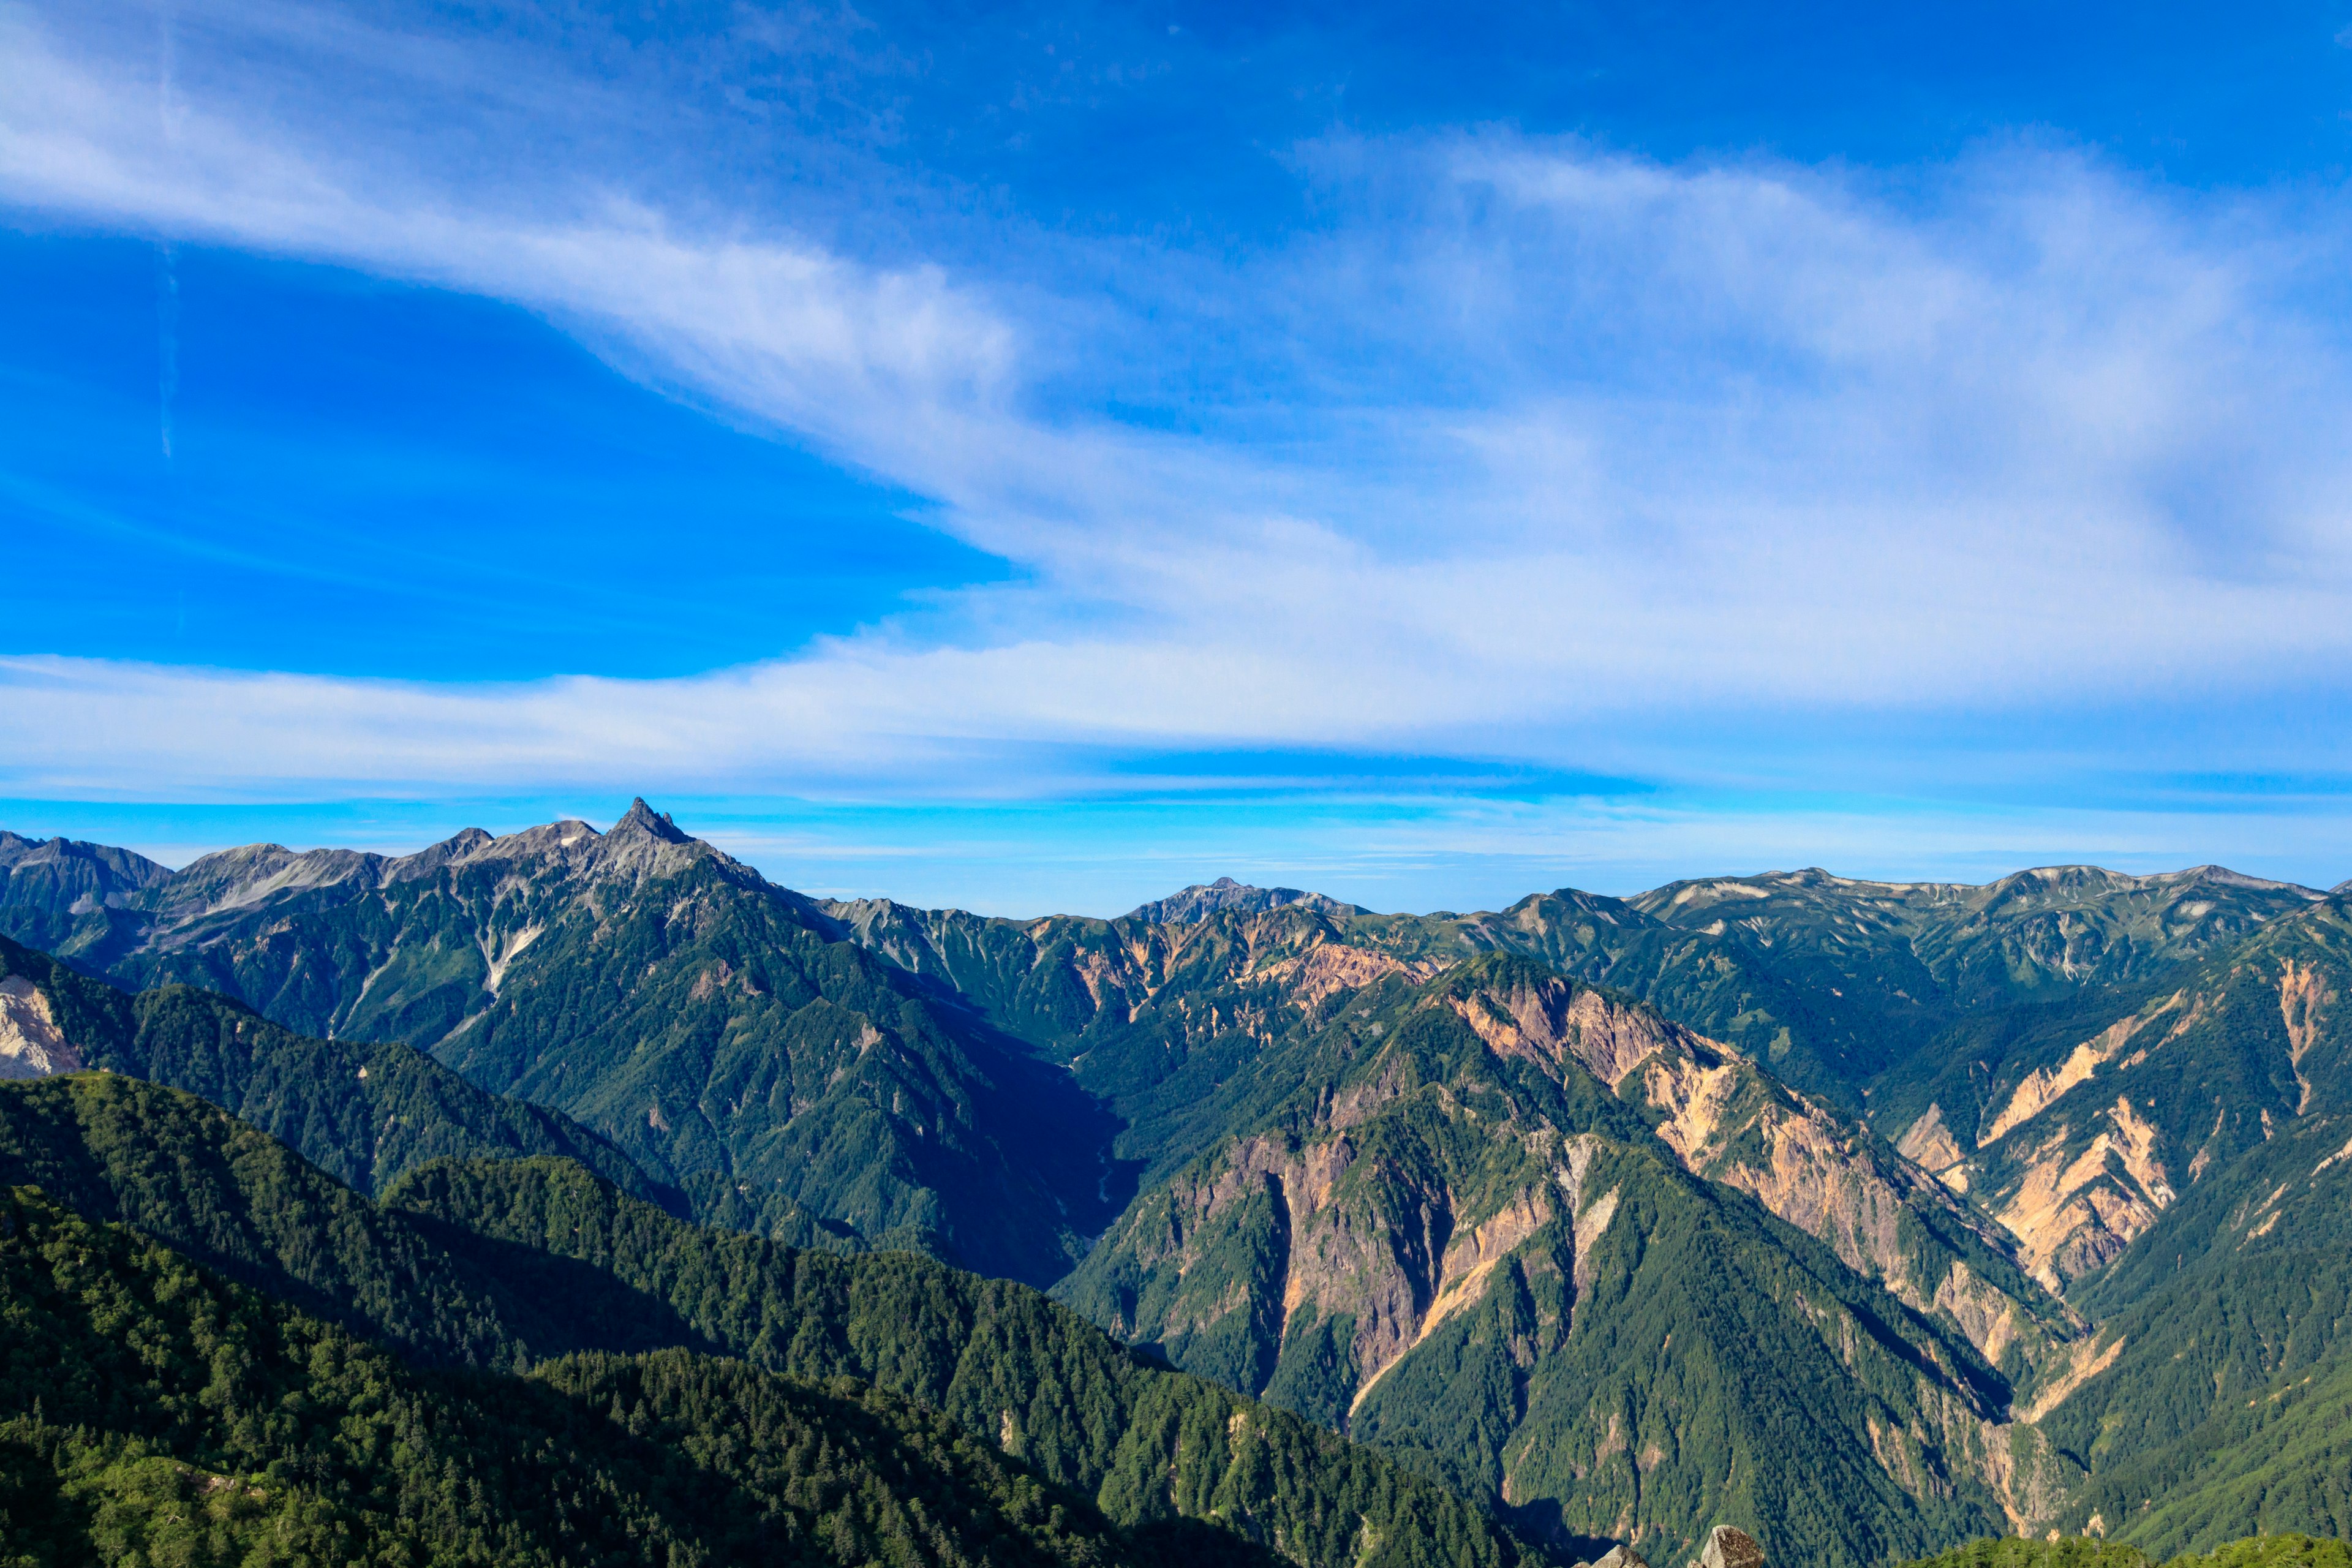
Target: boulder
[
  {"x": 1621, "y": 1557},
  {"x": 1729, "y": 1548}
]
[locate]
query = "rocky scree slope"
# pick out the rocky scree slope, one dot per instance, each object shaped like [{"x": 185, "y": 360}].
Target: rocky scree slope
[
  {"x": 1456, "y": 1240},
  {"x": 711, "y": 1025},
  {"x": 2079, "y": 1140}
]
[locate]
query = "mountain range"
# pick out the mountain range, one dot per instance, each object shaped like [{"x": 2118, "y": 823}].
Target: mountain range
[{"x": 1865, "y": 1218}]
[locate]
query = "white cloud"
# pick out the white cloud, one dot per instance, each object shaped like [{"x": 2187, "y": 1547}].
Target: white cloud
[{"x": 1562, "y": 437}]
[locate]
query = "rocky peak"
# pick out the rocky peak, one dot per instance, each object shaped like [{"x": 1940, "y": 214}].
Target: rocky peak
[
  {"x": 1621, "y": 1557},
  {"x": 1203, "y": 900},
  {"x": 643, "y": 819},
  {"x": 457, "y": 847},
  {"x": 2223, "y": 877},
  {"x": 1729, "y": 1548},
  {"x": 254, "y": 873}
]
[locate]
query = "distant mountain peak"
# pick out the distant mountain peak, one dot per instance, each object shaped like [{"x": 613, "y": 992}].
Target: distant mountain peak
[
  {"x": 643, "y": 818},
  {"x": 1225, "y": 895}
]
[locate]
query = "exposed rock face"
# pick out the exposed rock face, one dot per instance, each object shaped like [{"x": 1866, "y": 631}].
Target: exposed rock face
[
  {"x": 1729, "y": 1548},
  {"x": 1621, "y": 1557},
  {"x": 31, "y": 1044},
  {"x": 1418, "y": 1248},
  {"x": 1203, "y": 900},
  {"x": 1733, "y": 1123},
  {"x": 2082, "y": 1146},
  {"x": 714, "y": 1025},
  {"x": 50, "y": 887}
]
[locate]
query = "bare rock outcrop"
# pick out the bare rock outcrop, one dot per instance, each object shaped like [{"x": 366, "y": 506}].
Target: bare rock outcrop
[
  {"x": 31, "y": 1044},
  {"x": 1728, "y": 1547}
]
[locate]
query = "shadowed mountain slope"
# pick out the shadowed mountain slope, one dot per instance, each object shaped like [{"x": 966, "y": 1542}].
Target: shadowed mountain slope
[
  {"x": 709, "y": 1024},
  {"x": 149, "y": 1413},
  {"x": 47, "y": 887},
  {"x": 505, "y": 1262},
  {"x": 365, "y": 1113}
]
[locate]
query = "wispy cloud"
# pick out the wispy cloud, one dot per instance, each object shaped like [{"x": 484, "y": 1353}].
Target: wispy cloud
[{"x": 1521, "y": 441}]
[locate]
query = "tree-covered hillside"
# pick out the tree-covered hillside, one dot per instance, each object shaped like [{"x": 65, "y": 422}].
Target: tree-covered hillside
[
  {"x": 2289, "y": 1551},
  {"x": 505, "y": 1263},
  {"x": 709, "y": 1024},
  {"x": 151, "y": 1415},
  {"x": 2080, "y": 1140},
  {"x": 364, "y": 1112},
  {"x": 1457, "y": 1240}
]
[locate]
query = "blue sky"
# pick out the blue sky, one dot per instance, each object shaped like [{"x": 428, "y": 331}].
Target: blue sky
[{"x": 1030, "y": 457}]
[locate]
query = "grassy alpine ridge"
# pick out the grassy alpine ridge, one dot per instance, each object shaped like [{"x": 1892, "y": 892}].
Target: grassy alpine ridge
[
  {"x": 364, "y": 1113},
  {"x": 504, "y": 1263},
  {"x": 151, "y": 1413}
]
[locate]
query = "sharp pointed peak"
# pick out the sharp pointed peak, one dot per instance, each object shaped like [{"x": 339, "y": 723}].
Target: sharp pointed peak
[{"x": 643, "y": 818}]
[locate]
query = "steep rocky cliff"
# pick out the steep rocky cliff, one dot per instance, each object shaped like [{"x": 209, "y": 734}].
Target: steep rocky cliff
[
  {"x": 1458, "y": 1240},
  {"x": 2079, "y": 1142}
]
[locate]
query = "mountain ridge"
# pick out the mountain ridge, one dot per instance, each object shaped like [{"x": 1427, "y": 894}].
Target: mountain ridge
[{"x": 1204, "y": 898}]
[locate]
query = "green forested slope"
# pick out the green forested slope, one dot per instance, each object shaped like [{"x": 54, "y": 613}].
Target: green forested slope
[
  {"x": 506, "y": 1262},
  {"x": 1459, "y": 1244},
  {"x": 2281, "y": 1461},
  {"x": 711, "y": 1025},
  {"x": 365, "y": 1113},
  {"x": 2079, "y": 1551},
  {"x": 2247, "y": 1283},
  {"x": 1194, "y": 1031},
  {"x": 116, "y": 1150},
  {"x": 151, "y": 1415}
]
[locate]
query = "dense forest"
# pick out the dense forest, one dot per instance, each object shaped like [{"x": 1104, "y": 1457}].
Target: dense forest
[{"x": 514, "y": 1265}]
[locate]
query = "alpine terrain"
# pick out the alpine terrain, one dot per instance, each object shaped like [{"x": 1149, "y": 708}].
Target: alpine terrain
[{"x": 1838, "y": 1221}]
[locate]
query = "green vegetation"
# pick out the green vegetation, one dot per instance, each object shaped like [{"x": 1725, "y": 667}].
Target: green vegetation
[
  {"x": 2080, "y": 1551},
  {"x": 505, "y": 1263},
  {"x": 150, "y": 1415},
  {"x": 1642, "y": 1351},
  {"x": 364, "y": 1113},
  {"x": 48, "y": 886},
  {"x": 1331, "y": 1177},
  {"x": 2280, "y": 1460},
  {"x": 711, "y": 1025}
]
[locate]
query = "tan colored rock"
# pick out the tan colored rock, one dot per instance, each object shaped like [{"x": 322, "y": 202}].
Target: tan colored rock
[
  {"x": 1621, "y": 1557},
  {"x": 31, "y": 1044},
  {"x": 1729, "y": 1548}
]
